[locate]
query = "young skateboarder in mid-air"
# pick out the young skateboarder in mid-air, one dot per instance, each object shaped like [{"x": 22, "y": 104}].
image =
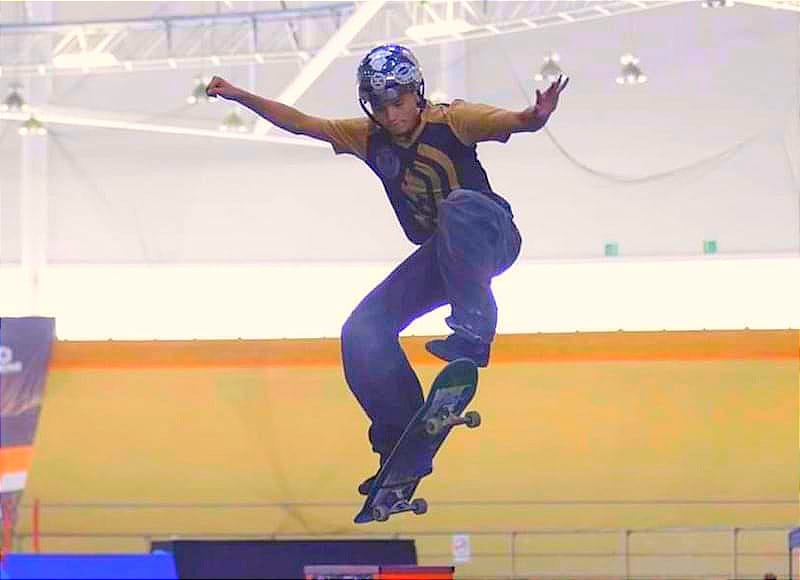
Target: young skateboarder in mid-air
[{"x": 425, "y": 155}]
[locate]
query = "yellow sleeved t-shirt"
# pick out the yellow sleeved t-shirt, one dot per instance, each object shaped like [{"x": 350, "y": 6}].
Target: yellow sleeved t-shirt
[{"x": 439, "y": 157}]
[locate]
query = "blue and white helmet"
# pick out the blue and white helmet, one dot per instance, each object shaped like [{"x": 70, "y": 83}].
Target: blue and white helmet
[{"x": 385, "y": 73}]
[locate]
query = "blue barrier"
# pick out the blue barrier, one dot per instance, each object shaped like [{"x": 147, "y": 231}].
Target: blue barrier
[
  {"x": 89, "y": 567},
  {"x": 794, "y": 539}
]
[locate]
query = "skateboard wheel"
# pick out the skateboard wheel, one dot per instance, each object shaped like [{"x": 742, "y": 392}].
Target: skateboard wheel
[
  {"x": 473, "y": 419},
  {"x": 420, "y": 506},
  {"x": 380, "y": 513},
  {"x": 433, "y": 426}
]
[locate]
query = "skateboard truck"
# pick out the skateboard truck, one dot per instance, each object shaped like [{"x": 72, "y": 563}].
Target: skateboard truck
[
  {"x": 381, "y": 513},
  {"x": 411, "y": 459},
  {"x": 436, "y": 425}
]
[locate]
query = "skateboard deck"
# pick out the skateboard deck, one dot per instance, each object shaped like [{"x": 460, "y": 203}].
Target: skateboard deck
[{"x": 412, "y": 458}]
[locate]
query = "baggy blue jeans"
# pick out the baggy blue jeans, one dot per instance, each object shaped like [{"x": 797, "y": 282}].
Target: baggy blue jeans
[{"x": 475, "y": 240}]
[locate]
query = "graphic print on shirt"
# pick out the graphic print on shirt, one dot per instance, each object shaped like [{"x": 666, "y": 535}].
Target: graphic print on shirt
[
  {"x": 388, "y": 163},
  {"x": 427, "y": 182}
]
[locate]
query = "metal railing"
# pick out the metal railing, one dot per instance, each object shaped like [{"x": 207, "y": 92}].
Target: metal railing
[{"x": 517, "y": 558}]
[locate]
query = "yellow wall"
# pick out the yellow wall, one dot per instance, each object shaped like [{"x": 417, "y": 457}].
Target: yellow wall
[{"x": 641, "y": 416}]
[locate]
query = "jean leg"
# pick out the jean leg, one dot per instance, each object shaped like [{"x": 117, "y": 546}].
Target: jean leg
[
  {"x": 375, "y": 366},
  {"x": 476, "y": 240}
]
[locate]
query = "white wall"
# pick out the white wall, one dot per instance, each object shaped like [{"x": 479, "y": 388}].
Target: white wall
[
  {"x": 709, "y": 148},
  {"x": 314, "y": 299},
  {"x": 718, "y": 78}
]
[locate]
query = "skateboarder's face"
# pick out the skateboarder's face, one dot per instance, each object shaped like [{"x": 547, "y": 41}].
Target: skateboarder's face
[{"x": 400, "y": 116}]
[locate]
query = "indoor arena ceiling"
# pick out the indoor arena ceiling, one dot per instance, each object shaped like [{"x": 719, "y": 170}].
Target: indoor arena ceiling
[{"x": 119, "y": 37}]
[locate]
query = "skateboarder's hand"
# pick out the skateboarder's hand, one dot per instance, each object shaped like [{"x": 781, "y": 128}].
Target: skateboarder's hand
[
  {"x": 546, "y": 102},
  {"x": 219, "y": 87}
]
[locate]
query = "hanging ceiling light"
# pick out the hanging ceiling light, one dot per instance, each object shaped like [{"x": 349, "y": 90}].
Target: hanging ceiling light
[
  {"x": 199, "y": 92},
  {"x": 550, "y": 69},
  {"x": 232, "y": 123},
  {"x": 32, "y": 127},
  {"x": 14, "y": 101},
  {"x": 630, "y": 74}
]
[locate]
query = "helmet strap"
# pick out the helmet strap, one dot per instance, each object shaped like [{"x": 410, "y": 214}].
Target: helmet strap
[{"x": 369, "y": 114}]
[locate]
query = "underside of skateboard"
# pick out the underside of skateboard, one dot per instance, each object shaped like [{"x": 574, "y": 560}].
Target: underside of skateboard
[
  {"x": 398, "y": 497},
  {"x": 395, "y": 501}
]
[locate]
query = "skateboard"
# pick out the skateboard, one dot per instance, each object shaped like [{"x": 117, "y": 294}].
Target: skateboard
[{"x": 393, "y": 490}]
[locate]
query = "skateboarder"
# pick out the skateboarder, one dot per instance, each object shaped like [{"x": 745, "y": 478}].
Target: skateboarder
[{"x": 425, "y": 156}]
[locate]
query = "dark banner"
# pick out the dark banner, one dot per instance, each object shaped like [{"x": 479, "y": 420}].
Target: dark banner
[
  {"x": 25, "y": 347},
  {"x": 281, "y": 559}
]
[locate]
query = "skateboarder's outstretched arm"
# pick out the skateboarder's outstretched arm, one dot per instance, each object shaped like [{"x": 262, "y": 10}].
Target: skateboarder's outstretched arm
[
  {"x": 280, "y": 115},
  {"x": 475, "y": 122},
  {"x": 535, "y": 117}
]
